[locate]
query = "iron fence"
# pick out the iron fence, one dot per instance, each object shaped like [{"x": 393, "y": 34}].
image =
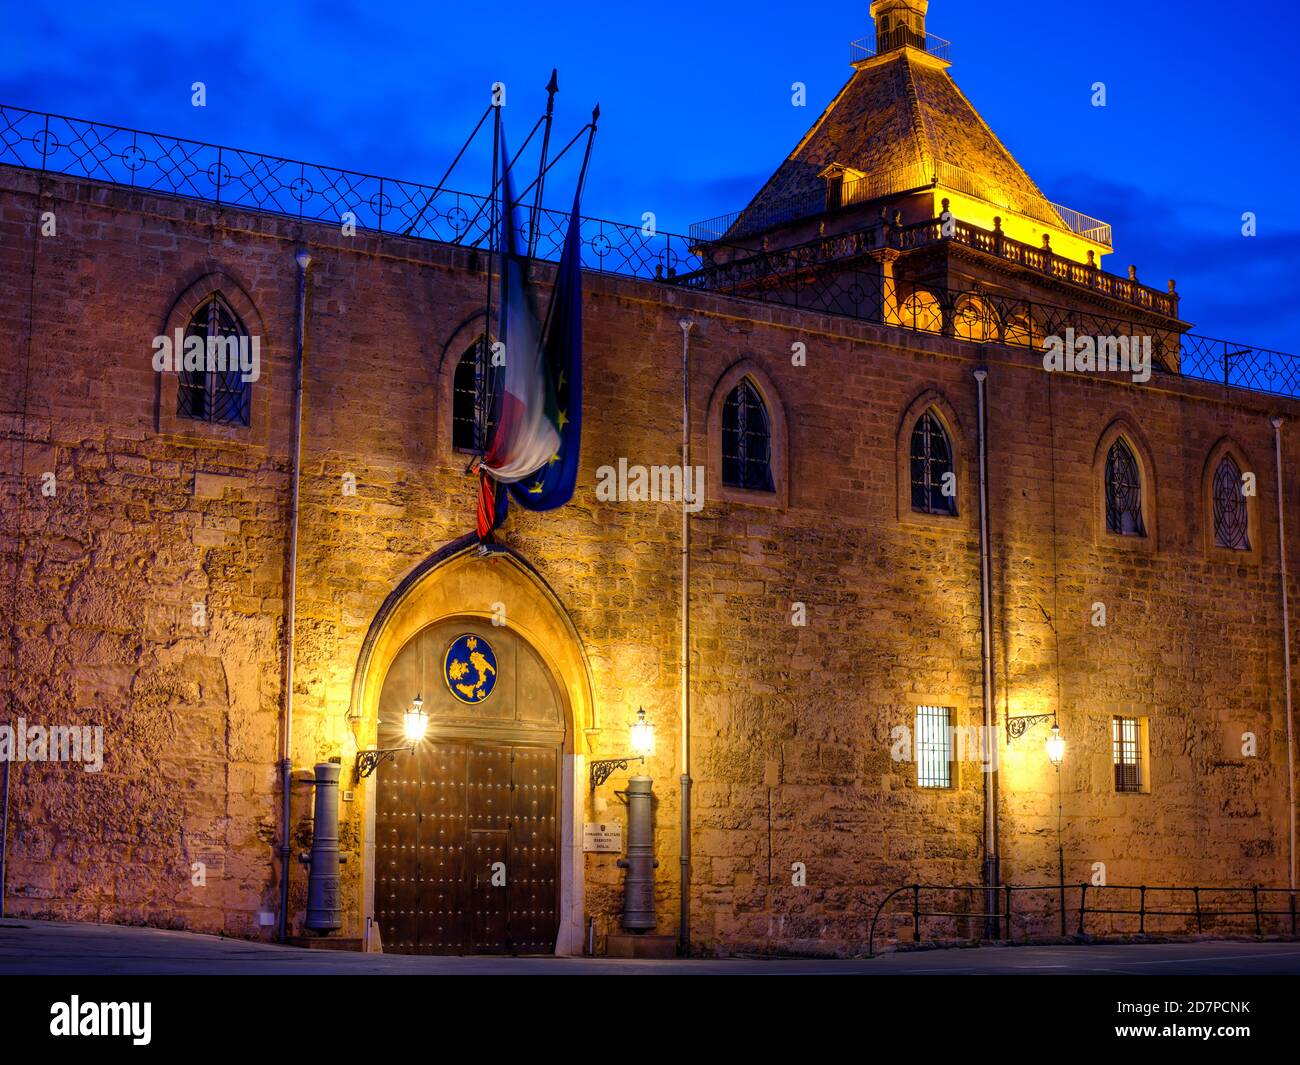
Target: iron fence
[
  {"x": 1128, "y": 909},
  {"x": 869, "y": 47},
  {"x": 232, "y": 177},
  {"x": 829, "y": 275}
]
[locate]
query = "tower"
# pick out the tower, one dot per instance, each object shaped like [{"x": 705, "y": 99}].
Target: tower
[
  {"x": 901, "y": 203},
  {"x": 899, "y": 24}
]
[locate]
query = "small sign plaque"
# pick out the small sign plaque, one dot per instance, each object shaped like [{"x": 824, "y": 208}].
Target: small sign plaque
[{"x": 603, "y": 837}]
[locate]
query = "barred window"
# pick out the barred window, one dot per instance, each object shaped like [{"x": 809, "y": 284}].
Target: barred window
[
  {"x": 1231, "y": 521},
  {"x": 475, "y": 388},
  {"x": 746, "y": 440},
  {"x": 217, "y": 392},
  {"x": 934, "y": 746},
  {"x": 933, "y": 478},
  {"x": 1126, "y": 737},
  {"x": 1123, "y": 491}
]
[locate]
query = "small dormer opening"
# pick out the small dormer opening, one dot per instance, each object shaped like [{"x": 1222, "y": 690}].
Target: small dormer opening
[{"x": 842, "y": 185}]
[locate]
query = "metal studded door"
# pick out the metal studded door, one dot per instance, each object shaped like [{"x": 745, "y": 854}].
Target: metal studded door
[
  {"x": 420, "y": 850},
  {"x": 489, "y": 859},
  {"x": 534, "y": 849},
  {"x": 466, "y": 857}
]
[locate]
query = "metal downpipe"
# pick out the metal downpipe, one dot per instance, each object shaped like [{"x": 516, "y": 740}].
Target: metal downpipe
[
  {"x": 684, "y": 919},
  {"x": 992, "y": 870},
  {"x": 1277, "y": 422},
  {"x": 303, "y": 259}
]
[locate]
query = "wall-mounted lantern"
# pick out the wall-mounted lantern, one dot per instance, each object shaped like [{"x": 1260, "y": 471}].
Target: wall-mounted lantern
[
  {"x": 415, "y": 723},
  {"x": 642, "y": 737},
  {"x": 642, "y": 734},
  {"x": 1056, "y": 746}
]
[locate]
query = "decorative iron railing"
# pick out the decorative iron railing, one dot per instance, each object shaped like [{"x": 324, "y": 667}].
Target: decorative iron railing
[
  {"x": 868, "y": 47},
  {"x": 833, "y": 275},
  {"x": 1025, "y": 911}
]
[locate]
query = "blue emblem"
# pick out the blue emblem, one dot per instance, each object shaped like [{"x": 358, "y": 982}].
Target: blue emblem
[{"x": 470, "y": 668}]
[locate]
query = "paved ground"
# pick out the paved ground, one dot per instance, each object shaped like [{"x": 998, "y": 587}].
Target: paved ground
[{"x": 65, "y": 948}]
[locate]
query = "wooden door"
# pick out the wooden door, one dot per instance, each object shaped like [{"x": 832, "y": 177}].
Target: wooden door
[{"x": 466, "y": 849}]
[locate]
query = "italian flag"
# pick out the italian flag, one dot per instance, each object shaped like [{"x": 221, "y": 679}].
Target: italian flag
[{"x": 527, "y": 432}]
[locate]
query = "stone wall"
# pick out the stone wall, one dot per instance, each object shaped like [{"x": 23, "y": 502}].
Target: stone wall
[{"x": 793, "y": 725}]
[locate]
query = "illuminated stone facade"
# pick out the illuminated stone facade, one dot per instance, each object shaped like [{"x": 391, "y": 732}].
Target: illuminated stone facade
[{"x": 793, "y": 725}]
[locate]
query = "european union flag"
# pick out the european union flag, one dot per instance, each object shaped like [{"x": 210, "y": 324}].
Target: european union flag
[{"x": 552, "y": 486}]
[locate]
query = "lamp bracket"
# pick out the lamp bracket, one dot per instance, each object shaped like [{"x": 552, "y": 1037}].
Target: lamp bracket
[
  {"x": 603, "y": 769},
  {"x": 368, "y": 761},
  {"x": 1018, "y": 726}
]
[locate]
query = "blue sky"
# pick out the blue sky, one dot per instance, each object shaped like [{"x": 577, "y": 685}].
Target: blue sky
[{"x": 696, "y": 110}]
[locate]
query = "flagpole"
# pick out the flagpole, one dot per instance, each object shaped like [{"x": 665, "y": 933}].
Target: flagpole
[
  {"x": 482, "y": 389},
  {"x": 438, "y": 187},
  {"x": 485, "y": 352},
  {"x": 582, "y": 179},
  {"x": 555, "y": 161},
  {"x": 582, "y": 174},
  {"x": 553, "y": 86},
  {"x": 509, "y": 166}
]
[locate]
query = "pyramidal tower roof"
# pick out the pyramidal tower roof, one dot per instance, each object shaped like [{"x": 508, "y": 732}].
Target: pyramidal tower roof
[{"x": 901, "y": 124}]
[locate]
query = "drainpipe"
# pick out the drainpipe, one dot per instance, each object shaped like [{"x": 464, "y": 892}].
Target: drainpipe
[
  {"x": 303, "y": 259},
  {"x": 1286, "y": 658},
  {"x": 684, "y": 920},
  {"x": 4, "y": 837},
  {"x": 992, "y": 873}
]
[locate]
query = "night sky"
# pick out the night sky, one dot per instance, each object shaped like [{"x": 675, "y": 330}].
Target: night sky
[{"x": 696, "y": 105}]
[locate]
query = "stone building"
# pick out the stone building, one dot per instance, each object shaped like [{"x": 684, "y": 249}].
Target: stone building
[{"x": 840, "y": 335}]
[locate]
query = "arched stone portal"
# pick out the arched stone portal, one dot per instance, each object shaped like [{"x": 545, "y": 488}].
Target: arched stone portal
[{"x": 521, "y": 746}]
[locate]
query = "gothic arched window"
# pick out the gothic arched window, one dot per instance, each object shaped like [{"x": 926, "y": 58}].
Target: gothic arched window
[
  {"x": 1231, "y": 521},
  {"x": 474, "y": 391},
  {"x": 746, "y": 440},
  {"x": 934, "y": 483},
  {"x": 217, "y": 391},
  {"x": 1123, "y": 491}
]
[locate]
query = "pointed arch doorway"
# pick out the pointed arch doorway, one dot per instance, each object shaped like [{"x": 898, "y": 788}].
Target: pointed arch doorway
[{"x": 472, "y": 843}]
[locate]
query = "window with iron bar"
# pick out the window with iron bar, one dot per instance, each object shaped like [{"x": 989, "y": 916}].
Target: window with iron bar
[
  {"x": 219, "y": 394},
  {"x": 1231, "y": 518},
  {"x": 1126, "y": 734},
  {"x": 934, "y": 746},
  {"x": 1123, "y": 491},
  {"x": 746, "y": 440},
  {"x": 475, "y": 389},
  {"x": 931, "y": 455}
]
